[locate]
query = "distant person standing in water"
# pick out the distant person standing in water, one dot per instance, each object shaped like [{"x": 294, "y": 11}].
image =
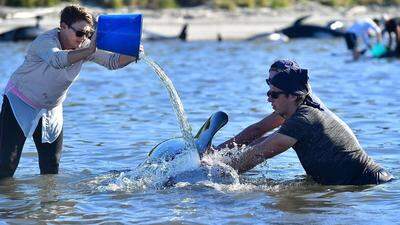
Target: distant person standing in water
[
  {"x": 326, "y": 147},
  {"x": 392, "y": 28},
  {"x": 32, "y": 102},
  {"x": 362, "y": 29}
]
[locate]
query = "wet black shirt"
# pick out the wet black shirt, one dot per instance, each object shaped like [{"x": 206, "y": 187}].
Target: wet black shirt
[{"x": 327, "y": 149}]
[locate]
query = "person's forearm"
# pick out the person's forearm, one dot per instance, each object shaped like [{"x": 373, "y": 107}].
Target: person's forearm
[
  {"x": 390, "y": 41},
  {"x": 247, "y": 160},
  {"x": 258, "y": 152},
  {"x": 125, "y": 60},
  {"x": 253, "y": 155},
  {"x": 79, "y": 54},
  {"x": 379, "y": 37},
  {"x": 254, "y": 131},
  {"x": 243, "y": 138}
]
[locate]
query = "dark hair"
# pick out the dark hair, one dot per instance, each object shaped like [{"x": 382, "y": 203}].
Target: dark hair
[{"x": 74, "y": 13}]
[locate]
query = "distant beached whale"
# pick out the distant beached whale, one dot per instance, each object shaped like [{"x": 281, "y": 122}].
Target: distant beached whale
[
  {"x": 300, "y": 30},
  {"x": 26, "y": 33},
  {"x": 151, "y": 36}
]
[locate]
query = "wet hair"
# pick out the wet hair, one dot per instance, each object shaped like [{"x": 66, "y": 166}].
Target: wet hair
[{"x": 74, "y": 13}]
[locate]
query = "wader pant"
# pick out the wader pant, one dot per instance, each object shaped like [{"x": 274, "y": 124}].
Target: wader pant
[{"x": 12, "y": 141}]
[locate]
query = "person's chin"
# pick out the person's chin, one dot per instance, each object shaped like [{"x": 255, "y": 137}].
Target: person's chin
[{"x": 275, "y": 109}]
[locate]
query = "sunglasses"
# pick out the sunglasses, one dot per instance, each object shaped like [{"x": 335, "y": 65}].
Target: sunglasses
[
  {"x": 275, "y": 94},
  {"x": 80, "y": 33},
  {"x": 268, "y": 81}
]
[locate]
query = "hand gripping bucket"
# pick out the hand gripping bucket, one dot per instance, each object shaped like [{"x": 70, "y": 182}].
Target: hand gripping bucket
[{"x": 120, "y": 33}]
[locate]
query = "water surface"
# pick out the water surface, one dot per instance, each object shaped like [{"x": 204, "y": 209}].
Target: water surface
[{"x": 113, "y": 118}]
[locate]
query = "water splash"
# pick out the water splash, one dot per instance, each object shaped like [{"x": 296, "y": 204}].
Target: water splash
[
  {"x": 157, "y": 173},
  {"x": 176, "y": 102},
  {"x": 151, "y": 174}
]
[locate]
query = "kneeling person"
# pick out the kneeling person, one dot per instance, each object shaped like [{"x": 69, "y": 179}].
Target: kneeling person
[{"x": 327, "y": 149}]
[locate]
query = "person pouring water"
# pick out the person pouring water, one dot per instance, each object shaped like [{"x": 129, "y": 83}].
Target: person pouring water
[
  {"x": 33, "y": 97},
  {"x": 326, "y": 147}
]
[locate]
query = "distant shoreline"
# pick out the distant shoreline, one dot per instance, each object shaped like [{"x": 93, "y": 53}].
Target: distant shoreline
[{"x": 206, "y": 23}]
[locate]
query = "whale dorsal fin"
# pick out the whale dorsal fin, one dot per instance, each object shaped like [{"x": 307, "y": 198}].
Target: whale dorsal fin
[
  {"x": 299, "y": 21},
  {"x": 183, "y": 34}
]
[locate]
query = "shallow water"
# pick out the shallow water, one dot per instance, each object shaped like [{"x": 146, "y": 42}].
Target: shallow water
[{"x": 113, "y": 118}]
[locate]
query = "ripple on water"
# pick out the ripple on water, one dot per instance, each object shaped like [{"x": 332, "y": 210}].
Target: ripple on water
[{"x": 113, "y": 118}]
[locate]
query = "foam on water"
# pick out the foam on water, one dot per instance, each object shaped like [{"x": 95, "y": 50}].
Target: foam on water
[{"x": 153, "y": 174}]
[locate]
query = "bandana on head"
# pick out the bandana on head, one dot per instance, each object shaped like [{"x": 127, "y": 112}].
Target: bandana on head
[
  {"x": 284, "y": 64},
  {"x": 294, "y": 80}
]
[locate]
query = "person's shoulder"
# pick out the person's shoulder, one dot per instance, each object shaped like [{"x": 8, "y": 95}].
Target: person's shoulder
[
  {"x": 302, "y": 114},
  {"x": 304, "y": 109},
  {"x": 47, "y": 35},
  {"x": 47, "y": 38},
  {"x": 307, "y": 114}
]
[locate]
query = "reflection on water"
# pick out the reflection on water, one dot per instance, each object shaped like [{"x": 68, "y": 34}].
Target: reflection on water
[{"x": 113, "y": 118}]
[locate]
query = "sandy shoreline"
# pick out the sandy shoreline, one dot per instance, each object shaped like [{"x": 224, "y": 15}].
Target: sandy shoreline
[{"x": 205, "y": 23}]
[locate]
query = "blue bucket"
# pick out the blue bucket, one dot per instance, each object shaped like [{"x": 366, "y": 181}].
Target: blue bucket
[{"x": 120, "y": 33}]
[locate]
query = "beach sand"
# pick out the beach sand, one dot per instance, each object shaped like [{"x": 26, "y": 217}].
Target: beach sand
[{"x": 206, "y": 23}]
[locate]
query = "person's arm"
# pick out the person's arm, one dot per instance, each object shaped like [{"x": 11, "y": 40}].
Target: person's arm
[
  {"x": 378, "y": 32},
  {"x": 126, "y": 59},
  {"x": 390, "y": 42},
  {"x": 253, "y": 155},
  {"x": 253, "y": 131},
  {"x": 81, "y": 54},
  {"x": 111, "y": 60},
  {"x": 398, "y": 33},
  {"x": 46, "y": 47}
]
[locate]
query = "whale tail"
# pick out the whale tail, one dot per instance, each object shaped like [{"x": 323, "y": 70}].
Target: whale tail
[{"x": 206, "y": 133}]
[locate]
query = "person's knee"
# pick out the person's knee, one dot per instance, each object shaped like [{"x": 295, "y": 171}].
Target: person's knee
[
  {"x": 49, "y": 164},
  {"x": 49, "y": 168}
]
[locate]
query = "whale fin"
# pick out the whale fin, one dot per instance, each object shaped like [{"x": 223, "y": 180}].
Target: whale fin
[
  {"x": 299, "y": 21},
  {"x": 206, "y": 133},
  {"x": 183, "y": 35}
]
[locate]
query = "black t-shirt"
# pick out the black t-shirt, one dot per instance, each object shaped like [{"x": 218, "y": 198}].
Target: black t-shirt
[{"x": 327, "y": 148}]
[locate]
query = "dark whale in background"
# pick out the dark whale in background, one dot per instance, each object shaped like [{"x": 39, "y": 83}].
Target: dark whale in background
[
  {"x": 300, "y": 30},
  {"x": 26, "y": 33},
  {"x": 29, "y": 33},
  {"x": 151, "y": 36}
]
